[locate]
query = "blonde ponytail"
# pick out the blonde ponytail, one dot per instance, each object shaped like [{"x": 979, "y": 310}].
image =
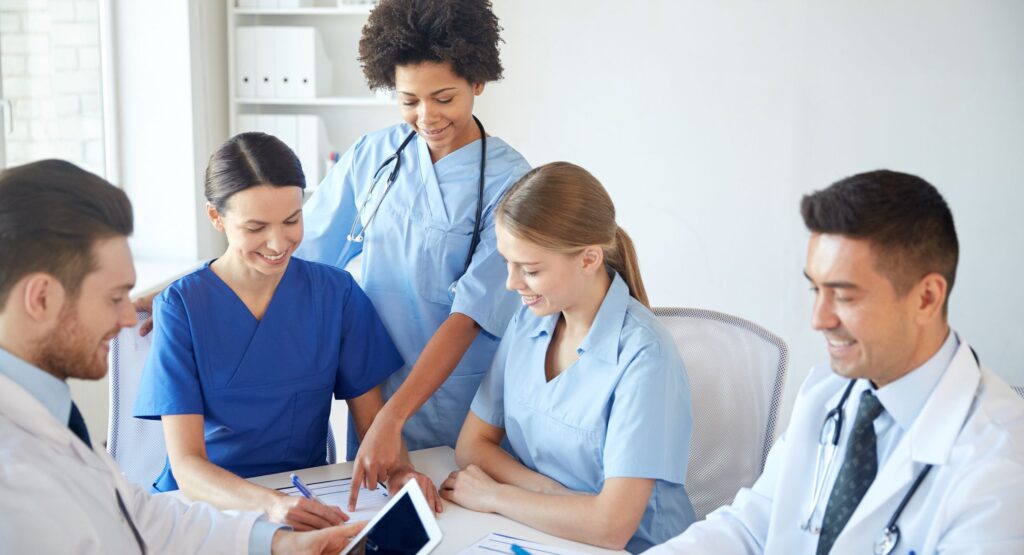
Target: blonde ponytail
[
  {"x": 564, "y": 208},
  {"x": 623, "y": 260}
]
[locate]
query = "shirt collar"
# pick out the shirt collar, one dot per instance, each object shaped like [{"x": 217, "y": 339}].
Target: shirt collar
[
  {"x": 54, "y": 394},
  {"x": 602, "y": 340},
  {"x": 904, "y": 398}
]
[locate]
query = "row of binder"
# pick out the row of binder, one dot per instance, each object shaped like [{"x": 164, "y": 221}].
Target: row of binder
[
  {"x": 281, "y": 62},
  {"x": 305, "y": 134}
]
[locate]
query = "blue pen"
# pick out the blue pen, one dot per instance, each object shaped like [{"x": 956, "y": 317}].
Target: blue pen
[
  {"x": 297, "y": 482},
  {"x": 519, "y": 550}
]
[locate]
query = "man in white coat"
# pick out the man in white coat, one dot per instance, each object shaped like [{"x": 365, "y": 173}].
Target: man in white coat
[
  {"x": 924, "y": 452},
  {"x": 65, "y": 274}
]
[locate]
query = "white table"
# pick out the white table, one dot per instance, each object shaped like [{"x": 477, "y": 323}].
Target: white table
[{"x": 461, "y": 527}]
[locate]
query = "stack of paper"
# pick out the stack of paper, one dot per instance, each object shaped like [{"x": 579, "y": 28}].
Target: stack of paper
[{"x": 336, "y": 492}]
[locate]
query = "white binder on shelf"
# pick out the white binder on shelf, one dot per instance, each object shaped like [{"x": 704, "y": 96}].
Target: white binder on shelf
[
  {"x": 266, "y": 71},
  {"x": 312, "y": 67},
  {"x": 312, "y": 148},
  {"x": 285, "y": 126},
  {"x": 245, "y": 123},
  {"x": 286, "y": 84},
  {"x": 245, "y": 61}
]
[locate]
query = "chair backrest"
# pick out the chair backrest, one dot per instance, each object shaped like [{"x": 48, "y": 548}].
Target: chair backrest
[
  {"x": 1019, "y": 389},
  {"x": 136, "y": 444},
  {"x": 736, "y": 371}
]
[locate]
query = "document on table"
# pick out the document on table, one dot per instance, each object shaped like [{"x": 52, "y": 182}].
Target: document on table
[
  {"x": 336, "y": 492},
  {"x": 500, "y": 543}
]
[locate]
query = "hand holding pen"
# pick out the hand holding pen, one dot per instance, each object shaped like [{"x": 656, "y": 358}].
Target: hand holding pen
[{"x": 307, "y": 512}]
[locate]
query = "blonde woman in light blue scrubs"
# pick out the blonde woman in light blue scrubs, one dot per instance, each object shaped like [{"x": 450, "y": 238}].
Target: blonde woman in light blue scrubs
[{"x": 587, "y": 387}]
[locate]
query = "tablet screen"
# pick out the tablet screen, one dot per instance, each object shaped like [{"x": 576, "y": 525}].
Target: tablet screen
[{"x": 398, "y": 532}]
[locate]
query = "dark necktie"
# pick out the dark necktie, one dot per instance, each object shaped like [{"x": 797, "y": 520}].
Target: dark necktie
[
  {"x": 855, "y": 476},
  {"x": 77, "y": 425}
]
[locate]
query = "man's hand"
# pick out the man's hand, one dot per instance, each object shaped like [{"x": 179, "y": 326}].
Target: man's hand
[{"x": 327, "y": 541}]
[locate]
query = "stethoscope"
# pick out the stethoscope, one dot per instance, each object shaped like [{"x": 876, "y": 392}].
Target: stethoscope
[
  {"x": 828, "y": 441},
  {"x": 354, "y": 237}
]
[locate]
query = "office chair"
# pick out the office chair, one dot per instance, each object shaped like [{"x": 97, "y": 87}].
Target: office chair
[
  {"x": 737, "y": 371},
  {"x": 136, "y": 444},
  {"x": 1019, "y": 389}
]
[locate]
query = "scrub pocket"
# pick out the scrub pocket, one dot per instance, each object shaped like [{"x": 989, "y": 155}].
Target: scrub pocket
[
  {"x": 567, "y": 453},
  {"x": 441, "y": 261}
]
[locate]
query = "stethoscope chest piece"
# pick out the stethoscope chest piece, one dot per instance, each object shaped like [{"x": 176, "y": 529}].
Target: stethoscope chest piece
[{"x": 887, "y": 543}]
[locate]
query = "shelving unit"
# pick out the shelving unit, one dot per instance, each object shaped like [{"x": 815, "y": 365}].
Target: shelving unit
[{"x": 352, "y": 109}]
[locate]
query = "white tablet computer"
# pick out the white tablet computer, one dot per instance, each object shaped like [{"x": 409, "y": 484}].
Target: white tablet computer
[{"x": 405, "y": 526}]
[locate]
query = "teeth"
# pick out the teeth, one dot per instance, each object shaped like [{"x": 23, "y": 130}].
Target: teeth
[
  {"x": 530, "y": 298},
  {"x": 838, "y": 343},
  {"x": 268, "y": 257}
]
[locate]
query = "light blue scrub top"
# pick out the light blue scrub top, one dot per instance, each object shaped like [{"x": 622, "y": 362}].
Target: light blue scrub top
[
  {"x": 622, "y": 410},
  {"x": 263, "y": 386},
  {"x": 413, "y": 250}
]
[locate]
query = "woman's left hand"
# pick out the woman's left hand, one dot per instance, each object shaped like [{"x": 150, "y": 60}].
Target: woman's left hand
[
  {"x": 472, "y": 488},
  {"x": 401, "y": 475}
]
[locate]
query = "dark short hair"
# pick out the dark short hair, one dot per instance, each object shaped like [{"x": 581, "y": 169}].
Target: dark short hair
[
  {"x": 247, "y": 160},
  {"x": 51, "y": 214},
  {"x": 463, "y": 33},
  {"x": 903, "y": 216}
]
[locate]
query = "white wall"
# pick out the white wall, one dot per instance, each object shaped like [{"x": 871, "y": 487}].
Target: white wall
[{"x": 707, "y": 121}]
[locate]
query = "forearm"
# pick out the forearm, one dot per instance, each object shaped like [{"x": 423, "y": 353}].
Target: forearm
[
  {"x": 201, "y": 480},
  {"x": 437, "y": 361},
  {"x": 501, "y": 466},
  {"x": 583, "y": 517}
]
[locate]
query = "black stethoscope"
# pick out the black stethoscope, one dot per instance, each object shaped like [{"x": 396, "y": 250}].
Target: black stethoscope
[
  {"x": 828, "y": 442},
  {"x": 354, "y": 237}
]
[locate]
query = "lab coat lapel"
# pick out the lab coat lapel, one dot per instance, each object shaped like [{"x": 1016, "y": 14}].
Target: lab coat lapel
[
  {"x": 26, "y": 411},
  {"x": 428, "y": 177},
  {"x": 929, "y": 441}
]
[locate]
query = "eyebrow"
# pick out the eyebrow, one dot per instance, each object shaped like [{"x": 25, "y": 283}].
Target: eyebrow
[
  {"x": 438, "y": 91},
  {"x": 833, "y": 284},
  {"x": 261, "y": 222},
  {"x": 126, "y": 287}
]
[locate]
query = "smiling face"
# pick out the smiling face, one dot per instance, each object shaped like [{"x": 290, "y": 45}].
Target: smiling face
[
  {"x": 78, "y": 345},
  {"x": 263, "y": 225},
  {"x": 438, "y": 104},
  {"x": 547, "y": 281},
  {"x": 872, "y": 332}
]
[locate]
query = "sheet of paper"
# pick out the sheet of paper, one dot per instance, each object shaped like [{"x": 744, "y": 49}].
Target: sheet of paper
[
  {"x": 336, "y": 492},
  {"x": 500, "y": 543}
]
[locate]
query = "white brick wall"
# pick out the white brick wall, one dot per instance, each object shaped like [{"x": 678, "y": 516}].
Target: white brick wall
[{"x": 50, "y": 62}]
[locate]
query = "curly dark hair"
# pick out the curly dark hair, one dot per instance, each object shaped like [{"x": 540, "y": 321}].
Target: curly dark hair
[{"x": 464, "y": 33}]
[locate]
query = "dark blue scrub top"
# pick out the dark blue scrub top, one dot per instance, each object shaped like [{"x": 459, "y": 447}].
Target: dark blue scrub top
[{"x": 264, "y": 386}]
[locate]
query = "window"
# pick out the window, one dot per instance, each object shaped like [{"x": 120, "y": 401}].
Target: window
[{"x": 51, "y": 83}]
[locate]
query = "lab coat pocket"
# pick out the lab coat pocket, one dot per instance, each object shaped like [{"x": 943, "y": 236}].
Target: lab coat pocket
[{"x": 442, "y": 261}]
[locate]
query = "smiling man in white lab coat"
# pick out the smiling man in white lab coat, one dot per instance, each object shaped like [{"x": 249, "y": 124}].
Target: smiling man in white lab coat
[
  {"x": 922, "y": 424},
  {"x": 65, "y": 274}
]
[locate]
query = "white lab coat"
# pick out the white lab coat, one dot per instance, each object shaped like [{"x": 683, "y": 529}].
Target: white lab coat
[
  {"x": 971, "y": 429},
  {"x": 58, "y": 496}
]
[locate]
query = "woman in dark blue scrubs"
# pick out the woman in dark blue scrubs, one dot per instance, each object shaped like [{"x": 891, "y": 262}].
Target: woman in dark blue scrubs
[{"x": 249, "y": 350}]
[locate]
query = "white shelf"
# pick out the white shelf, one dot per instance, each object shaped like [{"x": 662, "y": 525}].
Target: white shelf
[
  {"x": 322, "y": 101},
  {"x": 355, "y": 9}
]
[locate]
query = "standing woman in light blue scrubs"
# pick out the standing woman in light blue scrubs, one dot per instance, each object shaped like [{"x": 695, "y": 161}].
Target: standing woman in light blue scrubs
[
  {"x": 417, "y": 201},
  {"x": 587, "y": 386},
  {"x": 249, "y": 350}
]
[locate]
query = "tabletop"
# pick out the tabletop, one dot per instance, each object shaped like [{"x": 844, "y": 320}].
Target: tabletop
[{"x": 461, "y": 527}]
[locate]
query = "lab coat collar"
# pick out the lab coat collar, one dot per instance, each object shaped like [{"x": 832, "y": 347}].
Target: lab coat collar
[
  {"x": 930, "y": 439},
  {"x": 904, "y": 398},
  {"x": 603, "y": 339},
  {"x": 53, "y": 393},
  {"x": 27, "y": 412}
]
